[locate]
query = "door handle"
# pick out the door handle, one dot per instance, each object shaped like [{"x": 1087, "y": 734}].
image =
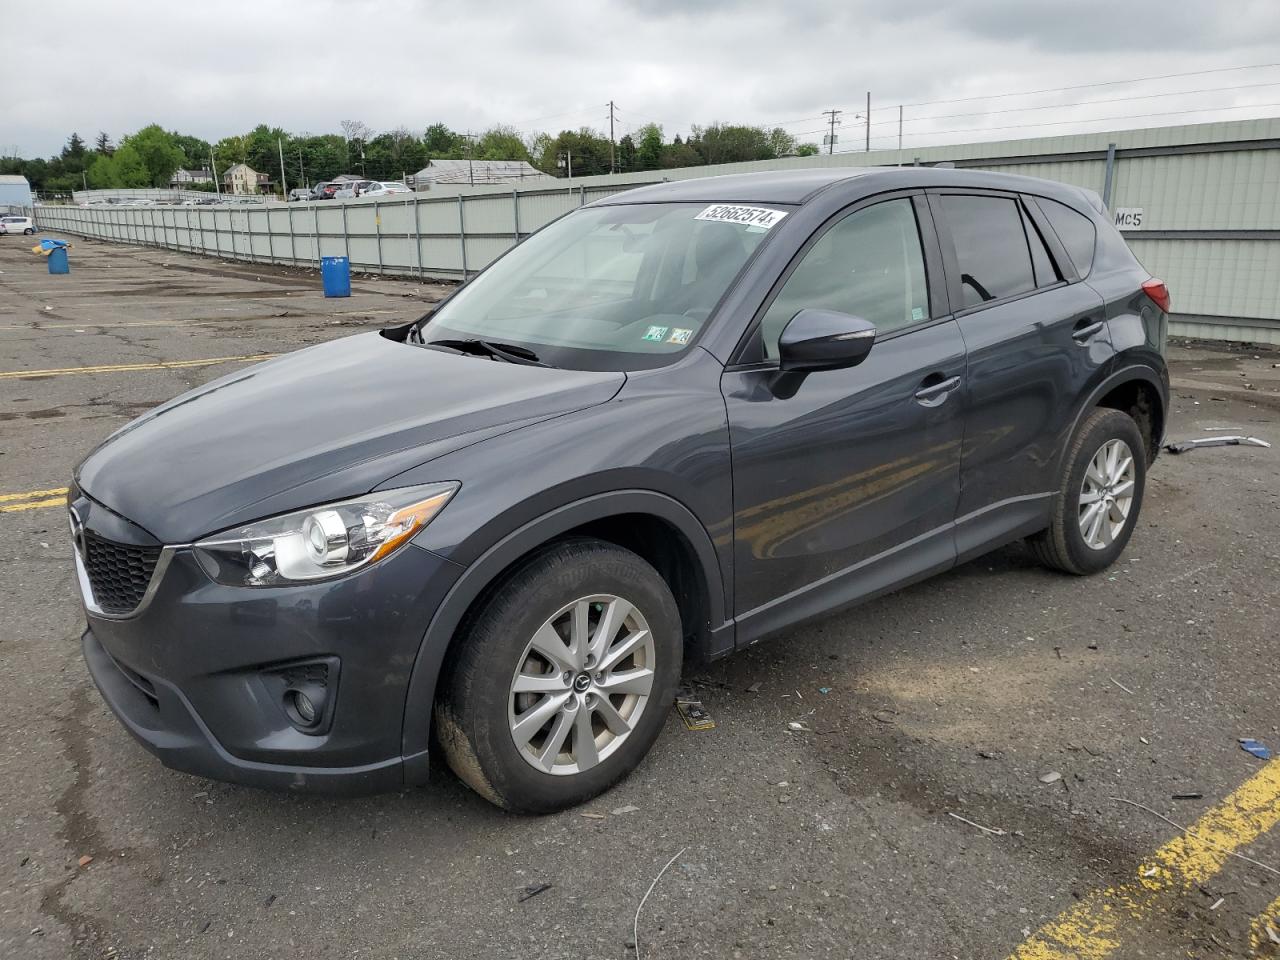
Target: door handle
[
  {"x": 932, "y": 394},
  {"x": 1085, "y": 333}
]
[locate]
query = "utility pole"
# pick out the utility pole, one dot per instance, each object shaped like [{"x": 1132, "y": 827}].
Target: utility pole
[
  {"x": 284, "y": 184},
  {"x": 868, "y": 121},
  {"x": 613, "y": 161},
  {"x": 833, "y": 115},
  {"x": 899, "y": 131},
  {"x": 85, "y": 177},
  {"x": 302, "y": 173},
  {"x": 213, "y": 165}
]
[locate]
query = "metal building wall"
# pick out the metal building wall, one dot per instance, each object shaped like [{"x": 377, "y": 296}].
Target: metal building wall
[{"x": 1210, "y": 195}]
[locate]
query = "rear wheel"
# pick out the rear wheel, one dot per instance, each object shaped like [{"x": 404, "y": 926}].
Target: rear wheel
[
  {"x": 29, "y": 231},
  {"x": 1101, "y": 495},
  {"x": 561, "y": 683}
]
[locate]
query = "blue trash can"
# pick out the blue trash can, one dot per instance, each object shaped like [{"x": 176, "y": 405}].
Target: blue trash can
[
  {"x": 58, "y": 262},
  {"x": 335, "y": 273}
]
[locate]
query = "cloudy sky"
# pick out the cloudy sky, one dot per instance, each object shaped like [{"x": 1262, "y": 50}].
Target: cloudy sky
[{"x": 214, "y": 69}]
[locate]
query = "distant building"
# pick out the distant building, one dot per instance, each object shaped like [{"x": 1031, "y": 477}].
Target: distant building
[
  {"x": 242, "y": 179},
  {"x": 348, "y": 178},
  {"x": 182, "y": 178},
  {"x": 14, "y": 192},
  {"x": 475, "y": 171}
]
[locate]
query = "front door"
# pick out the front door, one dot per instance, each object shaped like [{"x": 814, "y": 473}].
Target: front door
[{"x": 846, "y": 481}]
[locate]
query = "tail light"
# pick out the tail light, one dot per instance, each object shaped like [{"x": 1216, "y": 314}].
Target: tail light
[{"x": 1158, "y": 292}]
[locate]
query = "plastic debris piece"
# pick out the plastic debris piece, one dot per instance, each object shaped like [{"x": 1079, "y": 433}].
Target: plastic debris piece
[
  {"x": 592, "y": 816},
  {"x": 795, "y": 725},
  {"x": 533, "y": 890},
  {"x": 824, "y": 690},
  {"x": 85, "y": 860},
  {"x": 1252, "y": 746},
  {"x": 993, "y": 831},
  {"x": 754, "y": 688},
  {"x": 695, "y": 715},
  {"x": 629, "y": 808},
  {"x": 1217, "y": 903},
  {"x": 1182, "y": 446},
  {"x": 1188, "y": 796},
  {"x": 1053, "y": 776}
]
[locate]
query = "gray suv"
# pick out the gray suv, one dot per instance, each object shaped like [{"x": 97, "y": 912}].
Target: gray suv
[{"x": 667, "y": 425}]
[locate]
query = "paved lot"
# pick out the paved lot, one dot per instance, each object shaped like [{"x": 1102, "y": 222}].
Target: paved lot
[{"x": 955, "y": 697}]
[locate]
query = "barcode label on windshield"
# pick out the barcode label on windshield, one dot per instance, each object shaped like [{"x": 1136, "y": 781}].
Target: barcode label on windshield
[{"x": 761, "y": 218}]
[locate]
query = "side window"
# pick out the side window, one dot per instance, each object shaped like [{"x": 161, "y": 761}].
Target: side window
[
  {"x": 870, "y": 265},
  {"x": 1045, "y": 272},
  {"x": 1075, "y": 230},
  {"x": 991, "y": 247}
]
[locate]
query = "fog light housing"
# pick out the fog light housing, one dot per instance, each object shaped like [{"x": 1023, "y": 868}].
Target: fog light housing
[{"x": 305, "y": 703}]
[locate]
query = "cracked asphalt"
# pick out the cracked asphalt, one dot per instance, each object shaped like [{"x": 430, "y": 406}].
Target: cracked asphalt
[{"x": 956, "y": 696}]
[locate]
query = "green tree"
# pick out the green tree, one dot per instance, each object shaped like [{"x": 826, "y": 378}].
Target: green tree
[
  {"x": 626, "y": 154},
  {"x": 442, "y": 143},
  {"x": 393, "y": 154},
  {"x": 159, "y": 155},
  {"x": 103, "y": 144},
  {"x": 588, "y": 149},
  {"x": 195, "y": 152},
  {"x": 807, "y": 150},
  {"x": 74, "y": 148},
  {"x": 500, "y": 143},
  {"x": 649, "y": 152},
  {"x": 102, "y": 173},
  {"x": 131, "y": 169}
]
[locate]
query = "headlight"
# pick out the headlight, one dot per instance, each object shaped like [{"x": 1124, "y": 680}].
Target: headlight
[{"x": 322, "y": 542}]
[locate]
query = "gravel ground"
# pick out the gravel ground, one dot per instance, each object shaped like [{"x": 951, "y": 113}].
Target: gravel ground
[{"x": 952, "y": 697}]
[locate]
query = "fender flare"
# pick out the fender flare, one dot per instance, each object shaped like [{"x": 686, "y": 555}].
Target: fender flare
[{"x": 420, "y": 696}]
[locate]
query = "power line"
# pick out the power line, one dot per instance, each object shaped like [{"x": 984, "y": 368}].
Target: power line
[
  {"x": 831, "y": 137},
  {"x": 1100, "y": 83},
  {"x": 1056, "y": 123}
]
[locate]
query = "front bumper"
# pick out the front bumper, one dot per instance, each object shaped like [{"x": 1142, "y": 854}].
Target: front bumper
[{"x": 193, "y": 674}]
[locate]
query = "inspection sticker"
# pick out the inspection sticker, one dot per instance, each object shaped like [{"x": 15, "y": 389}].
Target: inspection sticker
[
  {"x": 679, "y": 335},
  {"x": 655, "y": 334},
  {"x": 760, "y": 217}
]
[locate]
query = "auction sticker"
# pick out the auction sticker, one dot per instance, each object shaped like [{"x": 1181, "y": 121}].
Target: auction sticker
[{"x": 761, "y": 218}]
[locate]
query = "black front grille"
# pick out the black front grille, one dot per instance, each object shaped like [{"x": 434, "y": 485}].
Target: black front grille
[{"x": 119, "y": 573}]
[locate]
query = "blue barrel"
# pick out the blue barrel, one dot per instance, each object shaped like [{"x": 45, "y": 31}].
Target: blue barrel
[
  {"x": 58, "y": 260},
  {"x": 335, "y": 273}
]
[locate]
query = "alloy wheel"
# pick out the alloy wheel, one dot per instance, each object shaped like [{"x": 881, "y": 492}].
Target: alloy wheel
[
  {"x": 1106, "y": 494},
  {"x": 581, "y": 684}
]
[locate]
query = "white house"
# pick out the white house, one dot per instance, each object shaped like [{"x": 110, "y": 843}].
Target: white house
[
  {"x": 182, "y": 178},
  {"x": 243, "y": 179}
]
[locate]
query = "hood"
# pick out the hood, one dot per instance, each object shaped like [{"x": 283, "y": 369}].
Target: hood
[{"x": 324, "y": 423}]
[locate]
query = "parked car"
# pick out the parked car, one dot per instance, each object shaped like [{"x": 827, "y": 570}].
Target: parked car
[
  {"x": 300, "y": 193},
  {"x": 378, "y": 188},
  {"x": 676, "y": 421},
  {"x": 352, "y": 188},
  {"x": 324, "y": 190},
  {"x": 17, "y": 225}
]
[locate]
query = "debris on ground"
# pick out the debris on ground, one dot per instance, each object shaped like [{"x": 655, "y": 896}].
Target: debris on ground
[
  {"x": 1182, "y": 446},
  {"x": 629, "y": 808},
  {"x": 796, "y": 725},
  {"x": 533, "y": 890},
  {"x": 694, "y": 715},
  {"x": 85, "y": 860},
  {"x": 754, "y": 688},
  {"x": 1053, "y": 776},
  {"x": 635, "y": 927},
  {"x": 994, "y": 831},
  {"x": 1217, "y": 903},
  {"x": 592, "y": 816},
  {"x": 885, "y": 716},
  {"x": 1252, "y": 746},
  {"x": 1121, "y": 686},
  {"x": 1188, "y": 796}
]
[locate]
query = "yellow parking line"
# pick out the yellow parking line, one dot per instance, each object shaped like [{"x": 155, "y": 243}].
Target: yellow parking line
[
  {"x": 32, "y": 494},
  {"x": 34, "y": 505},
  {"x": 1265, "y": 928},
  {"x": 127, "y": 367},
  {"x": 1092, "y": 929}
]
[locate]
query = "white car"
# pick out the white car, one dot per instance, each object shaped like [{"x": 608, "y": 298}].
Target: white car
[
  {"x": 384, "y": 189},
  {"x": 17, "y": 225}
]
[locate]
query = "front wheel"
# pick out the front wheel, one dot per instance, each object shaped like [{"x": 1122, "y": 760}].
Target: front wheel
[
  {"x": 1096, "y": 509},
  {"x": 29, "y": 231},
  {"x": 561, "y": 683}
]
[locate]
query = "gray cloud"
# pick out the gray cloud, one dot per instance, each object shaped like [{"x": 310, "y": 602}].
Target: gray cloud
[{"x": 306, "y": 66}]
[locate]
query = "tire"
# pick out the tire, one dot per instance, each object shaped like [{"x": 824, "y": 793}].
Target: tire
[
  {"x": 29, "y": 231},
  {"x": 478, "y": 711},
  {"x": 1066, "y": 545}
]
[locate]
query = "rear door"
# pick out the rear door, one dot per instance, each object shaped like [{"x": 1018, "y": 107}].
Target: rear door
[
  {"x": 1035, "y": 338},
  {"x": 845, "y": 482}
]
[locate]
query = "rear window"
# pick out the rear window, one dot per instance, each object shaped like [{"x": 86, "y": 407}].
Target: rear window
[
  {"x": 1075, "y": 230},
  {"x": 991, "y": 247}
]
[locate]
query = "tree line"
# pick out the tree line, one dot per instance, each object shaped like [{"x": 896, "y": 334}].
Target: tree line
[{"x": 149, "y": 156}]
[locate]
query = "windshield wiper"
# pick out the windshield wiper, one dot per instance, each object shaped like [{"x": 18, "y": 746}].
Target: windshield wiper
[{"x": 509, "y": 352}]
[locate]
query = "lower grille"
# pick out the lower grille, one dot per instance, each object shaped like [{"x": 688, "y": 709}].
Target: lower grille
[{"x": 119, "y": 573}]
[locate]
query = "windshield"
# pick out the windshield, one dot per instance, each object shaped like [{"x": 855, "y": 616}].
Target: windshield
[{"x": 621, "y": 287}]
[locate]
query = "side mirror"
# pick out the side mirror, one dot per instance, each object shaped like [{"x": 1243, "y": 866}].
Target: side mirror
[{"x": 824, "y": 340}]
